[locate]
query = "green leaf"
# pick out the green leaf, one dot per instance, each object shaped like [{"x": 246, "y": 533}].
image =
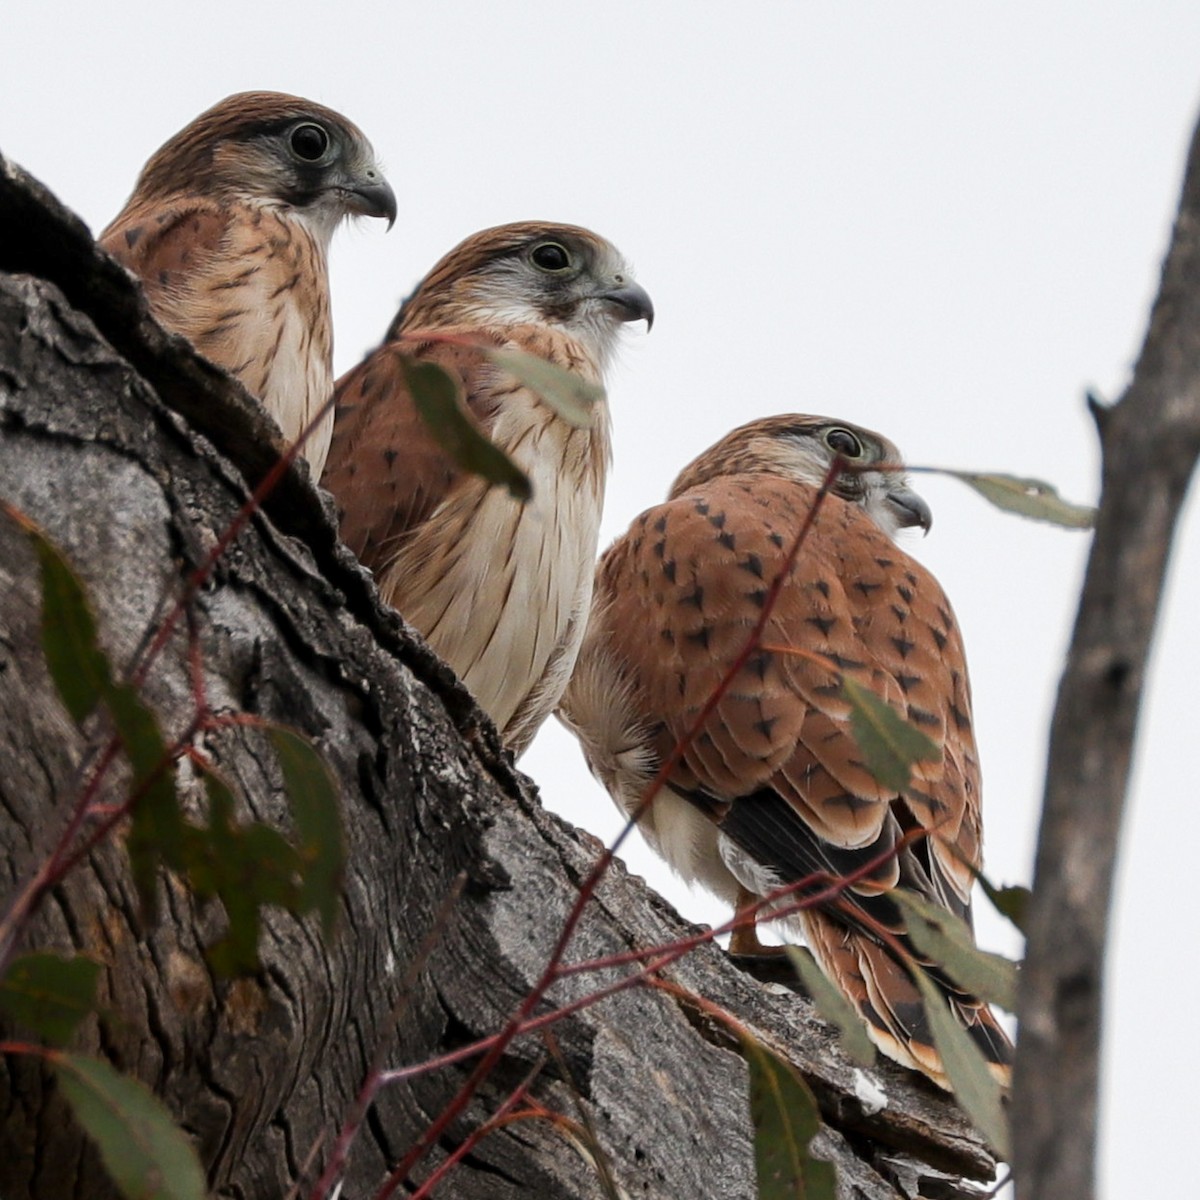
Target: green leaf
[
  {"x": 435, "y": 395},
  {"x": 570, "y": 395},
  {"x": 1011, "y": 901},
  {"x": 77, "y": 665},
  {"x": 50, "y": 993},
  {"x": 976, "y": 1089},
  {"x": 157, "y": 828},
  {"x": 313, "y": 793},
  {"x": 84, "y": 677},
  {"x": 785, "y": 1118},
  {"x": 243, "y": 866},
  {"x": 888, "y": 743},
  {"x": 833, "y": 1006},
  {"x": 948, "y": 941},
  {"x": 147, "y": 1155},
  {"x": 1027, "y": 497}
]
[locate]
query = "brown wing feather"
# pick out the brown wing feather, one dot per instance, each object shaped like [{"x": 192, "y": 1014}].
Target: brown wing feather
[
  {"x": 168, "y": 245},
  {"x": 776, "y": 762},
  {"x": 694, "y": 574}
]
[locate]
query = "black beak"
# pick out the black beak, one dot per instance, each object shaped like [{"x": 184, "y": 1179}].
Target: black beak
[
  {"x": 909, "y": 508},
  {"x": 372, "y": 196},
  {"x": 632, "y": 302}
]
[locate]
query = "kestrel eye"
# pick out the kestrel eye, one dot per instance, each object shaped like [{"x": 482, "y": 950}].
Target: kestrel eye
[
  {"x": 843, "y": 442},
  {"x": 309, "y": 142},
  {"x": 550, "y": 256}
]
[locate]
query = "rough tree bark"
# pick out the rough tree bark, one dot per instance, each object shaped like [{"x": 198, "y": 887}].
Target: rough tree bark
[
  {"x": 1150, "y": 441},
  {"x": 133, "y": 454}
]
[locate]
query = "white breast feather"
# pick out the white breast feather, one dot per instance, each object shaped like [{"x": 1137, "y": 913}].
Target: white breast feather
[
  {"x": 301, "y": 375},
  {"x": 281, "y": 350},
  {"x": 503, "y": 624}
]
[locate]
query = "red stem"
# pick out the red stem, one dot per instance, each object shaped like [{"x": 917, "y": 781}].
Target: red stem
[
  {"x": 373, "y": 1081},
  {"x": 663, "y": 956},
  {"x": 229, "y": 535},
  {"x": 476, "y": 1136}
]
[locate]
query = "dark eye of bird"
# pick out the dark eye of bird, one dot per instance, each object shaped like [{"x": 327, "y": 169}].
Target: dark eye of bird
[
  {"x": 309, "y": 142},
  {"x": 550, "y": 256},
  {"x": 843, "y": 442}
]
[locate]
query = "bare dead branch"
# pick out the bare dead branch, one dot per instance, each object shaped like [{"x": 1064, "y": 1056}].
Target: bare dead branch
[{"x": 1150, "y": 441}]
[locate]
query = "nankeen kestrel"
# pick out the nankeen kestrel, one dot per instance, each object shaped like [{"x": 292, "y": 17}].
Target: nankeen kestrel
[
  {"x": 229, "y": 229},
  {"x": 773, "y": 788},
  {"x": 500, "y": 589}
]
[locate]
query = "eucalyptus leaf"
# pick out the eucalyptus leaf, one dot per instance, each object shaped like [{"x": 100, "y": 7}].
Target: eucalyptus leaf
[
  {"x": 142, "y": 1148},
  {"x": 435, "y": 395},
  {"x": 570, "y": 395},
  {"x": 833, "y": 1006},
  {"x": 157, "y": 828},
  {"x": 785, "y": 1118},
  {"x": 1032, "y": 498},
  {"x": 245, "y": 866},
  {"x": 313, "y": 794},
  {"x": 84, "y": 678},
  {"x": 888, "y": 743},
  {"x": 947, "y": 941},
  {"x": 78, "y": 667},
  {"x": 975, "y": 1087},
  {"x": 1011, "y": 901},
  {"x": 50, "y": 993}
]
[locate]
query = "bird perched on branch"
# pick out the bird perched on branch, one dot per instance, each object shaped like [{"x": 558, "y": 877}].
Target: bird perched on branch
[
  {"x": 499, "y": 588},
  {"x": 772, "y": 786},
  {"x": 229, "y": 229}
]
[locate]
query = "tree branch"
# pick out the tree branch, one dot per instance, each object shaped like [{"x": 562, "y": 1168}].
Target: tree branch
[{"x": 1150, "y": 441}]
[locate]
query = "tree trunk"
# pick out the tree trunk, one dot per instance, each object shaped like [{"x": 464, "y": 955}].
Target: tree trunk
[{"x": 134, "y": 455}]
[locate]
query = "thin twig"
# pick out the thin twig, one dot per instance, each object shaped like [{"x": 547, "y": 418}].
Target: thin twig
[
  {"x": 61, "y": 859},
  {"x": 469, "y": 1142},
  {"x": 660, "y": 957}
]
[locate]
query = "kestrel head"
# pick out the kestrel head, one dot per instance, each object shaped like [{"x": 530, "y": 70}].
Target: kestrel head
[
  {"x": 803, "y": 448},
  {"x": 531, "y": 273},
  {"x": 270, "y": 148}
]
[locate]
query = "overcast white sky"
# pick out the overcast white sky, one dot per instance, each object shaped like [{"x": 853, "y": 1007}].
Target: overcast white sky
[{"x": 942, "y": 221}]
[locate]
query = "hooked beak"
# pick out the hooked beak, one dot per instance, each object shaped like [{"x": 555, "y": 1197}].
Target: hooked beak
[
  {"x": 632, "y": 303},
  {"x": 909, "y": 508},
  {"x": 371, "y": 195}
]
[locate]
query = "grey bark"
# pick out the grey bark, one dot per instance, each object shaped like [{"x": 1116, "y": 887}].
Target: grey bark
[
  {"x": 1150, "y": 441},
  {"x": 134, "y": 454}
]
